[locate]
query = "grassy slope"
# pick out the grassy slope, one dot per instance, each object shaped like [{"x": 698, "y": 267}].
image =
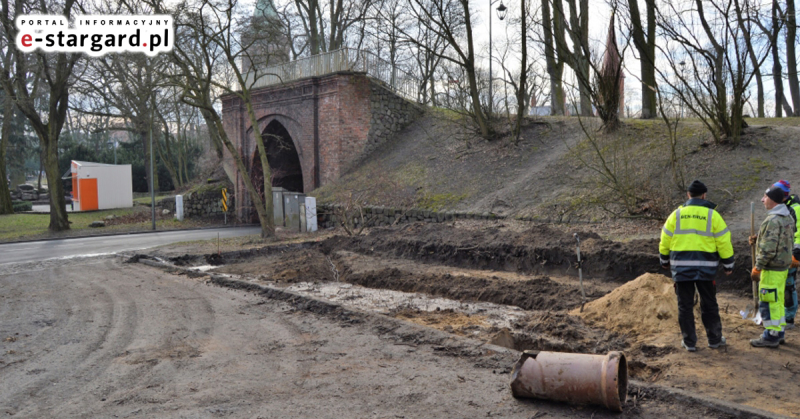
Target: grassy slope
[{"x": 444, "y": 167}]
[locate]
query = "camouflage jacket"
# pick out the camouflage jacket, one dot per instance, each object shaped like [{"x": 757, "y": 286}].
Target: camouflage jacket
[{"x": 775, "y": 239}]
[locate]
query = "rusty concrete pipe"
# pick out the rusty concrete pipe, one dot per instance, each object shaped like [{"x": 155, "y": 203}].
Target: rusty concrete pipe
[{"x": 572, "y": 378}]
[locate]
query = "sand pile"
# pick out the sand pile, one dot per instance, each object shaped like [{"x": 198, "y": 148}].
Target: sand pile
[{"x": 646, "y": 305}]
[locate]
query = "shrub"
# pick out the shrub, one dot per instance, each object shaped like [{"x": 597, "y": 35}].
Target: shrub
[{"x": 20, "y": 206}]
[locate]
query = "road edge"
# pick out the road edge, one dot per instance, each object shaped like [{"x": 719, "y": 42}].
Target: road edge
[
  {"x": 447, "y": 339},
  {"x": 127, "y": 233}
]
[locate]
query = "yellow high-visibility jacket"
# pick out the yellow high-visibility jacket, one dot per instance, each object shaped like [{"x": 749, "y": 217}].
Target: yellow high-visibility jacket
[
  {"x": 794, "y": 207},
  {"x": 694, "y": 241}
]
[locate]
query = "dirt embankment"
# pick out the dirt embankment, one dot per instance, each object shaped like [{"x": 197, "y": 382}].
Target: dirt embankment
[{"x": 539, "y": 250}]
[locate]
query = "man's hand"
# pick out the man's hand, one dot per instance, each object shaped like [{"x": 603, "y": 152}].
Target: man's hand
[
  {"x": 795, "y": 263},
  {"x": 755, "y": 274},
  {"x": 728, "y": 272},
  {"x": 752, "y": 240}
]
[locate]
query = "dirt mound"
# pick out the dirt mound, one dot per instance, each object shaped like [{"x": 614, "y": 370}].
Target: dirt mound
[
  {"x": 646, "y": 305},
  {"x": 540, "y": 293}
]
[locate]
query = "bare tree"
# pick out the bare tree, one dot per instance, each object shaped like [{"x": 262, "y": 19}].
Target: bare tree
[
  {"x": 747, "y": 34},
  {"x": 451, "y": 20},
  {"x": 713, "y": 69},
  {"x": 554, "y": 56},
  {"x": 791, "y": 55},
  {"x": 327, "y": 24},
  {"x": 645, "y": 42},
  {"x": 5, "y": 135},
  {"x": 56, "y": 72},
  {"x": 522, "y": 88},
  {"x": 580, "y": 59},
  {"x": 213, "y": 40},
  {"x": 773, "y": 36}
]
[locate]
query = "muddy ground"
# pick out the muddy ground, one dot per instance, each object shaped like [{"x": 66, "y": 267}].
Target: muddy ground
[{"x": 520, "y": 289}]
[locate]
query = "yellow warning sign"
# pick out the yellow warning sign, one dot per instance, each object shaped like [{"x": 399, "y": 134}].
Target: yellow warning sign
[{"x": 225, "y": 199}]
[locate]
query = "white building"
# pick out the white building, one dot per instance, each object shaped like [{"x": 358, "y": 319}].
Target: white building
[{"x": 97, "y": 186}]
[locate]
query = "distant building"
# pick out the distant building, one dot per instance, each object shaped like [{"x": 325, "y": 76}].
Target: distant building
[
  {"x": 265, "y": 40},
  {"x": 540, "y": 111}
]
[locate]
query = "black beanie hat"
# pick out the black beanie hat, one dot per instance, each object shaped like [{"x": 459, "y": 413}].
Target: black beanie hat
[
  {"x": 697, "y": 188},
  {"x": 775, "y": 193}
]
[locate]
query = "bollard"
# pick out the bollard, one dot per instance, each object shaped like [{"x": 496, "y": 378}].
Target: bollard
[
  {"x": 179, "y": 207},
  {"x": 572, "y": 378}
]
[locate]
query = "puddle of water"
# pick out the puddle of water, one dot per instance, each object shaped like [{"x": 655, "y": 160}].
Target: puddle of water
[
  {"x": 384, "y": 301},
  {"x": 202, "y": 268}
]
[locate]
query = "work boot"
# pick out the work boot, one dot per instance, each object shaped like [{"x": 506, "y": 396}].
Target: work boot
[
  {"x": 781, "y": 337},
  {"x": 789, "y": 324},
  {"x": 766, "y": 340},
  {"x": 722, "y": 342},
  {"x": 687, "y": 347}
]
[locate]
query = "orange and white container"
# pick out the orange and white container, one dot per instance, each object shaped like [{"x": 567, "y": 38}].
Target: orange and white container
[{"x": 97, "y": 186}]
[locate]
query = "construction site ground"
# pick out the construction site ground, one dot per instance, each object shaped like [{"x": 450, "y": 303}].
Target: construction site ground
[{"x": 516, "y": 285}]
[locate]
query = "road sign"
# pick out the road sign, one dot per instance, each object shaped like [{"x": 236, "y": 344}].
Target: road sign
[{"x": 225, "y": 203}]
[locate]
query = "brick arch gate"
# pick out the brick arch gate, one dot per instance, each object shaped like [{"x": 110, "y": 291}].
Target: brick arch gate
[{"x": 333, "y": 122}]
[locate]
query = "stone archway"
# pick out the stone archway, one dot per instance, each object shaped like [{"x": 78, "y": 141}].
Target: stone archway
[
  {"x": 287, "y": 173},
  {"x": 284, "y": 162}
]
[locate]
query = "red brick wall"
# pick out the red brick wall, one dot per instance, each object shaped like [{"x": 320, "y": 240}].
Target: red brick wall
[{"x": 345, "y": 116}]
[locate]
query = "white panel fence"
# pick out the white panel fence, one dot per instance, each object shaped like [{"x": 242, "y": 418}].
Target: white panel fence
[{"x": 345, "y": 59}]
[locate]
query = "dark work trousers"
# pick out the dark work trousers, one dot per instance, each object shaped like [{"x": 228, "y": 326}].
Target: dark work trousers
[{"x": 708, "y": 308}]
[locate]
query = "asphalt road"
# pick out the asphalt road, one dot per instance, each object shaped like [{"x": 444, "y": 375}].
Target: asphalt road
[{"x": 52, "y": 249}]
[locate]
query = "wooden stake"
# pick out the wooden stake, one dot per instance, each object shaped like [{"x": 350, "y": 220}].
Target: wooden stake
[{"x": 753, "y": 251}]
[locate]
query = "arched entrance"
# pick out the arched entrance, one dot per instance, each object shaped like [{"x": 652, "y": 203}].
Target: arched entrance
[{"x": 283, "y": 160}]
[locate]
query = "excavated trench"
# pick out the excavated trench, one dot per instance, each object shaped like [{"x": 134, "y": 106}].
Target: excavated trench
[
  {"x": 516, "y": 289},
  {"x": 467, "y": 281}
]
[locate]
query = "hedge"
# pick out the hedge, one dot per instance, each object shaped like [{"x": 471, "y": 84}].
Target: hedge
[{"x": 20, "y": 206}]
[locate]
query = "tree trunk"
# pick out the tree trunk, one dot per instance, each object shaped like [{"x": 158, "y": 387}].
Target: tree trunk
[
  {"x": 265, "y": 216},
  {"x": 647, "y": 52},
  {"x": 759, "y": 85},
  {"x": 555, "y": 67},
  {"x": 265, "y": 220},
  {"x": 469, "y": 67},
  {"x": 167, "y": 158},
  {"x": 58, "y": 205},
  {"x": 5, "y": 134},
  {"x": 579, "y": 32},
  {"x": 523, "y": 73},
  {"x": 754, "y": 60},
  {"x": 791, "y": 55},
  {"x": 777, "y": 77}
]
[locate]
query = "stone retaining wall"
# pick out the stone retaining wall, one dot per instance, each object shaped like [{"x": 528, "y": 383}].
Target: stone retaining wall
[
  {"x": 207, "y": 203},
  {"x": 384, "y": 216}
]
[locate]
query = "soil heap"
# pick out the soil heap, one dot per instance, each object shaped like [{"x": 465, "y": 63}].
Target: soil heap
[{"x": 644, "y": 306}]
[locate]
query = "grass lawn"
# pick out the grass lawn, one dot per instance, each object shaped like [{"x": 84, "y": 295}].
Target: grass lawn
[
  {"x": 34, "y": 226},
  {"x": 146, "y": 200},
  {"x": 775, "y": 122}
]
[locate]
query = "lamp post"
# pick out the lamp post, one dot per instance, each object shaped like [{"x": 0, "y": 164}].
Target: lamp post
[
  {"x": 501, "y": 13},
  {"x": 113, "y": 144},
  {"x": 152, "y": 160}
]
